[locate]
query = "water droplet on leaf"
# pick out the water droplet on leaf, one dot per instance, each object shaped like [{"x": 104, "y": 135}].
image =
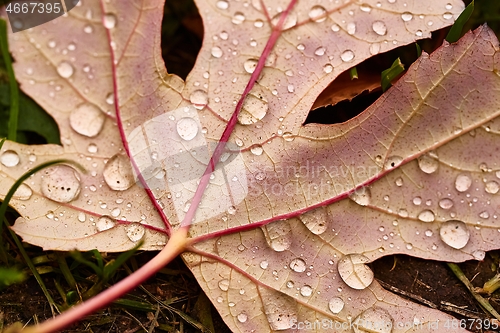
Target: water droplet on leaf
[
  {"x": 65, "y": 69},
  {"x": 354, "y": 271},
  {"x": 60, "y": 183},
  {"x": 454, "y": 233},
  {"x": 104, "y": 223},
  {"x": 374, "y": 319},
  {"x": 109, "y": 21},
  {"x": 347, "y": 55},
  {"x": 298, "y": 265},
  {"x": 253, "y": 110},
  {"x": 9, "y": 158},
  {"x": 23, "y": 192},
  {"x": 278, "y": 235},
  {"x": 86, "y": 119},
  {"x": 118, "y": 173},
  {"x": 407, "y": 16},
  {"x": 427, "y": 164},
  {"x": 361, "y": 196},
  {"x": 336, "y": 304},
  {"x": 242, "y": 317},
  {"x": 280, "y": 309},
  {"x": 249, "y": 65},
  {"x": 315, "y": 220},
  {"x": 216, "y": 52},
  {"x": 135, "y": 232},
  {"x": 462, "y": 183},
  {"x": 224, "y": 285},
  {"x": 187, "y": 128},
  {"x": 199, "y": 98},
  {"x": 445, "y": 203},
  {"x": 222, "y": 4},
  {"x": 426, "y": 216},
  {"x": 306, "y": 291},
  {"x": 317, "y": 14},
  {"x": 492, "y": 187},
  {"x": 379, "y": 27},
  {"x": 238, "y": 18}
]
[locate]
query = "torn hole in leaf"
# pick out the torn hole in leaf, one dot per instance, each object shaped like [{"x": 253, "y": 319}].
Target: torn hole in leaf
[
  {"x": 345, "y": 98},
  {"x": 181, "y": 36}
]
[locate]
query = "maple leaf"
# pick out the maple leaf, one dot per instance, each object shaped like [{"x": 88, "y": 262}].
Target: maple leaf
[{"x": 291, "y": 213}]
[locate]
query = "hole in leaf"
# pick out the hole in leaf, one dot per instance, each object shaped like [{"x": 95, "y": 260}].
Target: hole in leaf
[
  {"x": 181, "y": 36},
  {"x": 344, "y": 98}
]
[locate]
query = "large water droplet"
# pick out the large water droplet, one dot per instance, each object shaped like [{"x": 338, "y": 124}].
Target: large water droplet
[
  {"x": 187, "y": 128},
  {"x": 492, "y": 187},
  {"x": 60, "y": 183},
  {"x": 374, "y": 319},
  {"x": 249, "y": 65},
  {"x": 426, "y": 216},
  {"x": 9, "y": 158},
  {"x": 317, "y": 14},
  {"x": 462, "y": 183},
  {"x": 454, "y": 233},
  {"x": 407, "y": 16},
  {"x": 242, "y": 317},
  {"x": 104, "y": 223},
  {"x": 351, "y": 28},
  {"x": 361, "y": 196},
  {"x": 365, "y": 8},
  {"x": 336, "y": 304},
  {"x": 65, "y": 69},
  {"x": 328, "y": 68},
  {"x": 379, "y": 27},
  {"x": 392, "y": 162},
  {"x": 118, "y": 173},
  {"x": 224, "y": 284},
  {"x": 479, "y": 255},
  {"x": 347, "y": 55},
  {"x": 278, "y": 235},
  {"x": 427, "y": 164},
  {"x": 86, "y": 119},
  {"x": 216, "y": 52},
  {"x": 109, "y": 21},
  {"x": 238, "y": 18},
  {"x": 253, "y": 110},
  {"x": 306, "y": 291},
  {"x": 199, "y": 98},
  {"x": 298, "y": 265},
  {"x": 315, "y": 220},
  {"x": 257, "y": 150},
  {"x": 280, "y": 309},
  {"x": 447, "y": 16},
  {"x": 222, "y": 4},
  {"x": 354, "y": 271},
  {"x": 445, "y": 203},
  {"x": 290, "y": 20},
  {"x": 23, "y": 192},
  {"x": 135, "y": 232}
]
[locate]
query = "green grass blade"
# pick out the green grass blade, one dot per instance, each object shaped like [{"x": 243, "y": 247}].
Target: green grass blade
[
  {"x": 110, "y": 268},
  {"x": 14, "y": 90},
  {"x": 391, "y": 73},
  {"x": 456, "y": 30},
  {"x": 32, "y": 267},
  {"x": 353, "y": 72}
]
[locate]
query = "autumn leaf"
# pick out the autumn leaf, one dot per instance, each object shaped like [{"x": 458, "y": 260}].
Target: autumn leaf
[{"x": 292, "y": 213}]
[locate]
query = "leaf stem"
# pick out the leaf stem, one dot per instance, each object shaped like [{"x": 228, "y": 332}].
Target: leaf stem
[{"x": 219, "y": 149}]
